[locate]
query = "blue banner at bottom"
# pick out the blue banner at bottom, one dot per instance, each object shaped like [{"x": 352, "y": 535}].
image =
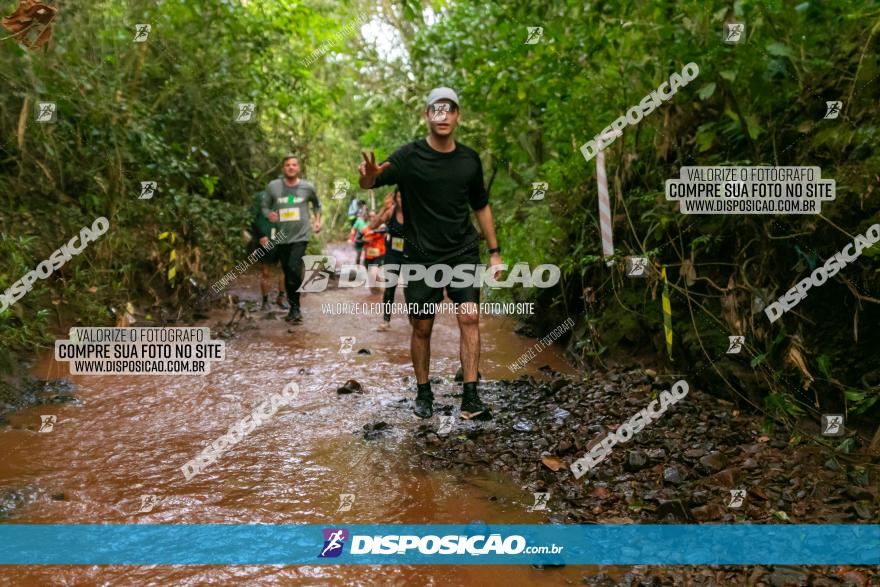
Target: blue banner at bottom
[{"x": 170, "y": 544}]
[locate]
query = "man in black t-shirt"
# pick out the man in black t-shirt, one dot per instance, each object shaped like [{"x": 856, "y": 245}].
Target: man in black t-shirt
[{"x": 439, "y": 181}]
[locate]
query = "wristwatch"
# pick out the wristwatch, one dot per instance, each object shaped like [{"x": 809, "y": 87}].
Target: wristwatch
[{"x": 495, "y": 250}]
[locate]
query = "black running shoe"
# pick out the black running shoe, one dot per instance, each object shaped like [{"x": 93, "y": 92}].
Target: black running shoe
[
  {"x": 471, "y": 406},
  {"x": 294, "y": 315},
  {"x": 424, "y": 403}
]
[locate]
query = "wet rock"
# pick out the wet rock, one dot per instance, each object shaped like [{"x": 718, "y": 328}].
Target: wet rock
[
  {"x": 523, "y": 426},
  {"x": 564, "y": 446},
  {"x": 749, "y": 464},
  {"x": 862, "y": 510},
  {"x": 561, "y": 414},
  {"x": 435, "y": 380},
  {"x": 350, "y": 386},
  {"x": 858, "y": 475},
  {"x": 707, "y": 513},
  {"x": 674, "y": 508},
  {"x": 432, "y": 439},
  {"x": 788, "y": 577},
  {"x": 714, "y": 461},
  {"x": 558, "y": 384},
  {"x": 854, "y": 579},
  {"x": 636, "y": 461},
  {"x": 672, "y": 475},
  {"x": 860, "y": 493},
  {"x": 727, "y": 477},
  {"x": 699, "y": 498},
  {"x": 694, "y": 453},
  {"x": 656, "y": 454}
]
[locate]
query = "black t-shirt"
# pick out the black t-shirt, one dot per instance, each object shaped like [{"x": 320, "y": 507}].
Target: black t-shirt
[{"x": 437, "y": 189}]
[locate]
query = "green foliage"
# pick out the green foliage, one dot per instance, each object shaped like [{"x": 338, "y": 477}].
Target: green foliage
[{"x": 528, "y": 108}]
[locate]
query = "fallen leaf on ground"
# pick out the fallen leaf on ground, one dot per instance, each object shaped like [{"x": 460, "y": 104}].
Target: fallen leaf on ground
[{"x": 553, "y": 463}]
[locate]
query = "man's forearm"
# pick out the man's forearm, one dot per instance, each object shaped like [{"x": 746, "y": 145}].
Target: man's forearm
[
  {"x": 367, "y": 182},
  {"x": 487, "y": 225}
]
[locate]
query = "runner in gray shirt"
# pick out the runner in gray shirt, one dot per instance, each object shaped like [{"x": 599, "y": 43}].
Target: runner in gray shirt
[{"x": 286, "y": 202}]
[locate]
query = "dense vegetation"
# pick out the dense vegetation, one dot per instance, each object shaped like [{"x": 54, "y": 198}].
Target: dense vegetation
[{"x": 163, "y": 111}]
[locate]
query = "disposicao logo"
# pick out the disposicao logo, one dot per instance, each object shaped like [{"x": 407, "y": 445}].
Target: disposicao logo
[{"x": 334, "y": 541}]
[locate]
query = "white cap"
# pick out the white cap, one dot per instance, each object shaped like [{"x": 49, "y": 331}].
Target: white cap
[{"x": 438, "y": 94}]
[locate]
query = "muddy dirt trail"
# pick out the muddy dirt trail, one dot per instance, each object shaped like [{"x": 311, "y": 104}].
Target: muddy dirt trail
[{"x": 128, "y": 436}]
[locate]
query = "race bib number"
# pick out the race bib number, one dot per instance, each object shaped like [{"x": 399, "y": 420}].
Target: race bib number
[
  {"x": 397, "y": 243},
  {"x": 372, "y": 251},
  {"x": 289, "y": 214}
]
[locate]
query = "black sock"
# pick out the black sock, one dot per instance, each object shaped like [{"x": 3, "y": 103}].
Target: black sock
[
  {"x": 424, "y": 388},
  {"x": 265, "y": 299},
  {"x": 469, "y": 387}
]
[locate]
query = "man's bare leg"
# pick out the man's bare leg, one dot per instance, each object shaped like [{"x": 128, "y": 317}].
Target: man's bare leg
[
  {"x": 469, "y": 342},
  {"x": 420, "y": 350},
  {"x": 265, "y": 279},
  {"x": 468, "y": 315},
  {"x": 279, "y": 300},
  {"x": 420, "y": 347},
  {"x": 265, "y": 283}
]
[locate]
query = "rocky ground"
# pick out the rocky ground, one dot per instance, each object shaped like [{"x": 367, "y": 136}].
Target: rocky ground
[{"x": 679, "y": 469}]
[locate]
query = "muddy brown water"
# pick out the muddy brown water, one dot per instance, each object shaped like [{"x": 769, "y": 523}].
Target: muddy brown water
[{"x": 131, "y": 434}]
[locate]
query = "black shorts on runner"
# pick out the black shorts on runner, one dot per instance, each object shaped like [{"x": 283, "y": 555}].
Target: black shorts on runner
[
  {"x": 376, "y": 261},
  {"x": 419, "y": 295}
]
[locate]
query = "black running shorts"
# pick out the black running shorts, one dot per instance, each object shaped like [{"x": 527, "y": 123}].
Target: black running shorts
[{"x": 420, "y": 296}]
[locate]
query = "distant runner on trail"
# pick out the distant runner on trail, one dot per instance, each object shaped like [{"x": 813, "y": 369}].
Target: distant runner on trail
[
  {"x": 439, "y": 180},
  {"x": 261, "y": 227},
  {"x": 286, "y": 201},
  {"x": 356, "y": 238},
  {"x": 391, "y": 215}
]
